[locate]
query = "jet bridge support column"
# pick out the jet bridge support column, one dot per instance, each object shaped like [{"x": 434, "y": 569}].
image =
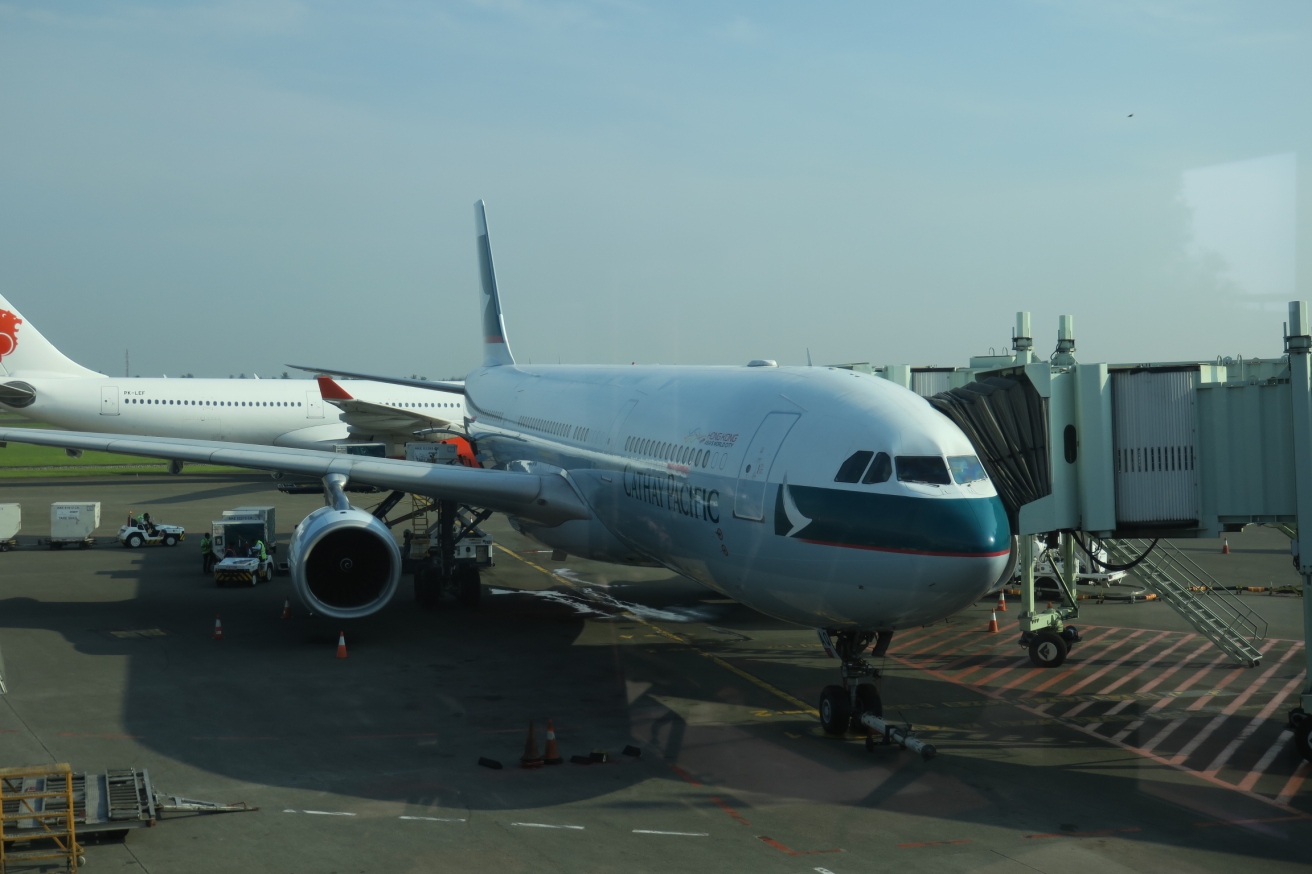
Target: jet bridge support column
[{"x": 1299, "y": 343}]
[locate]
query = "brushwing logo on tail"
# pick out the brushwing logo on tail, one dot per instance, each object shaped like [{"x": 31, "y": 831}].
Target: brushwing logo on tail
[{"x": 9, "y": 323}]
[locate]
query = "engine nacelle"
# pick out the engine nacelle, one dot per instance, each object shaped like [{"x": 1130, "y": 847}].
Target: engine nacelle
[{"x": 344, "y": 563}]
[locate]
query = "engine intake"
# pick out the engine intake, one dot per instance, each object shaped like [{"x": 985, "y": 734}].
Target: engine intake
[{"x": 344, "y": 563}]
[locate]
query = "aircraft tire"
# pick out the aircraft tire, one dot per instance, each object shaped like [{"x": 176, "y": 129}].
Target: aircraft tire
[
  {"x": 1048, "y": 650},
  {"x": 835, "y": 711},
  {"x": 867, "y": 701},
  {"x": 470, "y": 588}
]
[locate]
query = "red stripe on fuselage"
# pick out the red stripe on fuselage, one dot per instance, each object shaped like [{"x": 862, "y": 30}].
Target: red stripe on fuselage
[{"x": 906, "y": 551}]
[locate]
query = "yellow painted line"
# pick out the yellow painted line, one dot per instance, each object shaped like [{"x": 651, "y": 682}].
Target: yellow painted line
[{"x": 733, "y": 669}]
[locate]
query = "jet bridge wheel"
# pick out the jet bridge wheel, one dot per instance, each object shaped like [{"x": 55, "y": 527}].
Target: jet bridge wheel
[
  {"x": 1048, "y": 649},
  {"x": 1301, "y": 723},
  {"x": 835, "y": 710}
]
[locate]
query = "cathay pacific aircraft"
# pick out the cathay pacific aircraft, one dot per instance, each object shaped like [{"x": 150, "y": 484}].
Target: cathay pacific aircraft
[
  {"x": 820, "y": 496},
  {"x": 41, "y": 383}
]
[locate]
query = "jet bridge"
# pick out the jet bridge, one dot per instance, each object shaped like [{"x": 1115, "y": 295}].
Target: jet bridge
[{"x": 1127, "y": 457}]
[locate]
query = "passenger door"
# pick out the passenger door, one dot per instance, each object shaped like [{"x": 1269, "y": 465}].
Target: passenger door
[
  {"x": 754, "y": 469},
  {"x": 109, "y": 400}
]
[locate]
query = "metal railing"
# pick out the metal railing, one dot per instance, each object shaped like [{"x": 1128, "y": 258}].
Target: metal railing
[{"x": 1197, "y": 596}]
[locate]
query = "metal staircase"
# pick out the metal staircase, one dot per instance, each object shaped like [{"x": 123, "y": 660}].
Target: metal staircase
[{"x": 1196, "y": 595}]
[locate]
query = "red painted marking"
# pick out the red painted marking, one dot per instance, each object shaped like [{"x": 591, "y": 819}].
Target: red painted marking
[
  {"x": 781, "y": 848},
  {"x": 684, "y": 775},
  {"x": 329, "y": 390},
  {"x": 906, "y": 551},
  {"x": 719, "y": 802},
  {"x": 1093, "y": 834},
  {"x": 931, "y": 844}
]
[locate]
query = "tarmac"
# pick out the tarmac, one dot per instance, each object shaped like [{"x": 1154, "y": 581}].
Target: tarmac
[{"x": 1146, "y": 751}]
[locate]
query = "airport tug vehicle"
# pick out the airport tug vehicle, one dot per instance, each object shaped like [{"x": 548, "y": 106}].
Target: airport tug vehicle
[
  {"x": 135, "y": 536},
  {"x": 234, "y": 540},
  {"x": 243, "y": 571}
]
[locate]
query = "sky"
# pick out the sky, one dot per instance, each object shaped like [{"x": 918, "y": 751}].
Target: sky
[{"x": 226, "y": 187}]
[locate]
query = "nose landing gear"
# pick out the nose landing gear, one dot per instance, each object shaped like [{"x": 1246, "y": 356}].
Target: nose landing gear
[{"x": 841, "y": 707}]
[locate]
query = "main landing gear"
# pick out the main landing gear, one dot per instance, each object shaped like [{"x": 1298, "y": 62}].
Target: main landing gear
[{"x": 442, "y": 574}]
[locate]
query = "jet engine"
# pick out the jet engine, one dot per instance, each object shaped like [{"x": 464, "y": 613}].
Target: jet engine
[{"x": 344, "y": 562}]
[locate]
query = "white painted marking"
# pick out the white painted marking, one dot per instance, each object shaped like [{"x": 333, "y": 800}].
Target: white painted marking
[
  {"x": 823, "y": 871},
  {"x": 327, "y": 813},
  {"x": 434, "y": 818},
  {"x": 650, "y": 831},
  {"x": 546, "y": 825}
]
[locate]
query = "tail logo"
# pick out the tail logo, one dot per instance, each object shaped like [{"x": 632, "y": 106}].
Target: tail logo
[{"x": 9, "y": 323}]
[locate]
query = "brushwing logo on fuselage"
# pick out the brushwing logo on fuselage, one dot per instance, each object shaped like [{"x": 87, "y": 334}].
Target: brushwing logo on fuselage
[{"x": 9, "y": 323}]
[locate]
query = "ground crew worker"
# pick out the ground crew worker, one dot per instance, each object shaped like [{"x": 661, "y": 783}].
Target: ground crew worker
[
  {"x": 260, "y": 551},
  {"x": 206, "y": 554}
]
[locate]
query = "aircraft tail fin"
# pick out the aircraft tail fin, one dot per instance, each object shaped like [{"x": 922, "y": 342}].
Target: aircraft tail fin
[
  {"x": 24, "y": 352},
  {"x": 496, "y": 349}
]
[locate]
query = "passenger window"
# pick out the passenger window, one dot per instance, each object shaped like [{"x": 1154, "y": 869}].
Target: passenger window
[
  {"x": 966, "y": 469},
  {"x": 929, "y": 469},
  {"x": 880, "y": 470},
  {"x": 855, "y": 465}
]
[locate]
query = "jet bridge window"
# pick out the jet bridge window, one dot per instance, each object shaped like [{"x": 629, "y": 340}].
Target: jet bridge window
[
  {"x": 929, "y": 469},
  {"x": 966, "y": 469},
  {"x": 880, "y": 470},
  {"x": 855, "y": 465}
]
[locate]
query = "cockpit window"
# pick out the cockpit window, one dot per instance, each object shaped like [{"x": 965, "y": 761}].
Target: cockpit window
[
  {"x": 966, "y": 469},
  {"x": 922, "y": 469},
  {"x": 879, "y": 471},
  {"x": 855, "y": 465}
]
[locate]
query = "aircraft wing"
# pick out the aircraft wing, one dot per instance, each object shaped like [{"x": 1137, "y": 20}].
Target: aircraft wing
[
  {"x": 545, "y": 498},
  {"x": 370, "y": 418},
  {"x": 430, "y": 384}
]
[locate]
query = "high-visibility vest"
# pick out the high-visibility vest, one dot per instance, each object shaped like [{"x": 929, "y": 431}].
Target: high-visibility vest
[{"x": 206, "y": 545}]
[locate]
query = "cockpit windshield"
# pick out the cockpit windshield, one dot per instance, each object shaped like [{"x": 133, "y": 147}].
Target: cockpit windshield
[
  {"x": 966, "y": 469},
  {"x": 928, "y": 469}
]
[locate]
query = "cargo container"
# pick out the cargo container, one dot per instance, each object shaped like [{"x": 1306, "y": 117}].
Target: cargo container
[
  {"x": 73, "y": 522},
  {"x": 11, "y": 519},
  {"x": 265, "y": 515}
]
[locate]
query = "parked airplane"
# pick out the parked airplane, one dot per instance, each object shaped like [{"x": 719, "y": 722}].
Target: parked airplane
[
  {"x": 819, "y": 496},
  {"x": 41, "y": 383}
]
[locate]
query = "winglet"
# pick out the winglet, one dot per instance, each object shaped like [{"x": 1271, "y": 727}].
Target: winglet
[
  {"x": 331, "y": 391},
  {"x": 496, "y": 349}
]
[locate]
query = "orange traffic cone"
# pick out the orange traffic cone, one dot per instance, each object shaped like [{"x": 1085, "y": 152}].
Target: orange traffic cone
[
  {"x": 286, "y": 608},
  {"x": 1002, "y": 601},
  {"x": 531, "y": 758},
  {"x": 218, "y": 627},
  {"x": 993, "y": 623},
  {"x": 341, "y": 644},
  {"x": 1225, "y": 545},
  {"x": 552, "y": 754}
]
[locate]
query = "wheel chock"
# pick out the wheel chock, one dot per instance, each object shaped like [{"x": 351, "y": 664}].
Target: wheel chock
[{"x": 489, "y": 763}]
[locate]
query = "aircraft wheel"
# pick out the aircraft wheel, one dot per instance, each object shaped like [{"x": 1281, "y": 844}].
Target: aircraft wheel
[
  {"x": 1048, "y": 650},
  {"x": 835, "y": 711},
  {"x": 867, "y": 701},
  {"x": 428, "y": 593},
  {"x": 135, "y": 541},
  {"x": 469, "y": 586}
]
